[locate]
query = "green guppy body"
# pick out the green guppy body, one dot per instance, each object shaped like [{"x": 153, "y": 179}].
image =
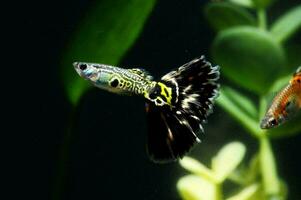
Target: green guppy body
[
  {"x": 176, "y": 104},
  {"x": 125, "y": 81}
]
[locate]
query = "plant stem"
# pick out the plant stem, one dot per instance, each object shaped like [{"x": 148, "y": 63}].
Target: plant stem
[
  {"x": 219, "y": 192},
  {"x": 268, "y": 167},
  {"x": 262, "y": 20}
]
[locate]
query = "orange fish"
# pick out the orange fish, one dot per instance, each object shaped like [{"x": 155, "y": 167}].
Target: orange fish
[{"x": 285, "y": 105}]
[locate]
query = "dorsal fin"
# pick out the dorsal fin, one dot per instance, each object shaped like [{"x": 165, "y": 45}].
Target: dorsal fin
[{"x": 142, "y": 72}]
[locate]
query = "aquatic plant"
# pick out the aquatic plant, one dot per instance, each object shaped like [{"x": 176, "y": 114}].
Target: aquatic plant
[
  {"x": 104, "y": 34},
  {"x": 256, "y": 57}
]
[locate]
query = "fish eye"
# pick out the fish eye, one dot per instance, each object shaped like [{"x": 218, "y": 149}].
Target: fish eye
[
  {"x": 82, "y": 67},
  {"x": 114, "y": 83},
  {"x": 273, "y": 122}
]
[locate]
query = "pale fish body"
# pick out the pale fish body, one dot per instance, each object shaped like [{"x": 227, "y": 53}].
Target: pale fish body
[
  {"x": 124, "y": 81},
  {"x": 285, "y": 105}
]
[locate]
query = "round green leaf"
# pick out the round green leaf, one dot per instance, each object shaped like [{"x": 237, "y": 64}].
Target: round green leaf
[
  {"x": 193, "y": 187},
  {"x": 245, "y": 3},
  {"x": 287, "y": 24},
  {"x": 249, "y": 57},
  {"x": 227, "y": 159},
  {"x": 108, "y": 30},
  {"x": 229, "y": 15},
  {"x": 197, "y": 168}
]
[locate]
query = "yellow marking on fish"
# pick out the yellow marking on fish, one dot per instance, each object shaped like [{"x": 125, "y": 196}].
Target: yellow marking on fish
[{"x": 165, "y": 89}]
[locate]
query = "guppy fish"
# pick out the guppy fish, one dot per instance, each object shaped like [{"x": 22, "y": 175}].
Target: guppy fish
[
  {"x": 285, "y": 105},
  {"x": 176, "y": 104}
]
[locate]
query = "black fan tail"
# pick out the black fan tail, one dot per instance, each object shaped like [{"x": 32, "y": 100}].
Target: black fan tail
[
  {"x": 168, "y": 139},
  {"x": 173, "y": 128}
]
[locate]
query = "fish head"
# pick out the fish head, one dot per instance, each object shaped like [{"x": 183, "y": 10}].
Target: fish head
[
  {"x": 100, "y": 75},
  {"x": 269, "y": 121},
  {"x": 273, "y": 119},
  {"x": 87, "y": 71}
]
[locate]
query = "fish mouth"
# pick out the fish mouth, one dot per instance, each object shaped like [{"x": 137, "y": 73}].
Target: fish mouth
[
  {"x": 75, "y": 64},
  {"x": 270, "y": 122},
  {"x": 264, "y": 123}
]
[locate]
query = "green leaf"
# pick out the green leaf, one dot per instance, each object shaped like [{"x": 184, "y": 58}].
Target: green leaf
[
  {"x": 283, "y": 190},
  {"x": 287, "y": 25},
  {"x": 279, "y": 84},
  {"x": 247, "y": 193},
  {"x": 245, "y": 3},
  {"x": 229, "y": 15},
  {"x": 227, "y": 159},
  {"x": 108, "y": 30},
  {"x": 225, "y": 101},
  {"x": 193, "y": 187},
  {"x": 197, "y": 168},
  {"x": 262, "y": 3},
  {"x": 246, "y": 175},
  {"x": 292, "y": 51},
  {"x": 249, "y": 57},
  {"x": 245, "y": 104}
]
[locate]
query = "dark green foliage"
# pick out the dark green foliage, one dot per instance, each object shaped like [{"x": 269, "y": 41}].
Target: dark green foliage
[
  {"x": 254, "y": 58},
  {"x": 226, "y": 15},
  {"x": 246, "y": 52},
  {"x": 287, "y": 25},
  {"x": 105, "y": 34}
]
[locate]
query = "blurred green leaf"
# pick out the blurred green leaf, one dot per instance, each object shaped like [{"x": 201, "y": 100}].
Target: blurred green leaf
[
  {"x": 249, "y": 57},
  {"x": 262, "y": 3},
  {"x": 193, "y": 187},
  {"x": 279, "y": 84},
  {"x": 246, "y": 175},
  {"x": 287, "y": 25},
  {"x": 227, "y": 159},
  {"x": 225, "y": 101},
  {"x": 241, "y": 101},
  {"x": 245, "y": 3},
  {"x": 292, "y": 51},
  {"x": 229, "y": 15},
  {"x": 197, "y": 168},
  {"x": 108, "y": 30},
  {"x": 283, "y": 190},
  {"x": 246, "y": 193}
]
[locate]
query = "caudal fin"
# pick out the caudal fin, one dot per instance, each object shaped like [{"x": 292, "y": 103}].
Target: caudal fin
[{"x": 173, "y": 128}]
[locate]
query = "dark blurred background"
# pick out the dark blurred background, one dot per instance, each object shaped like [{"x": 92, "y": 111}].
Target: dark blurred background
[{"x": 104, "y": 156}]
